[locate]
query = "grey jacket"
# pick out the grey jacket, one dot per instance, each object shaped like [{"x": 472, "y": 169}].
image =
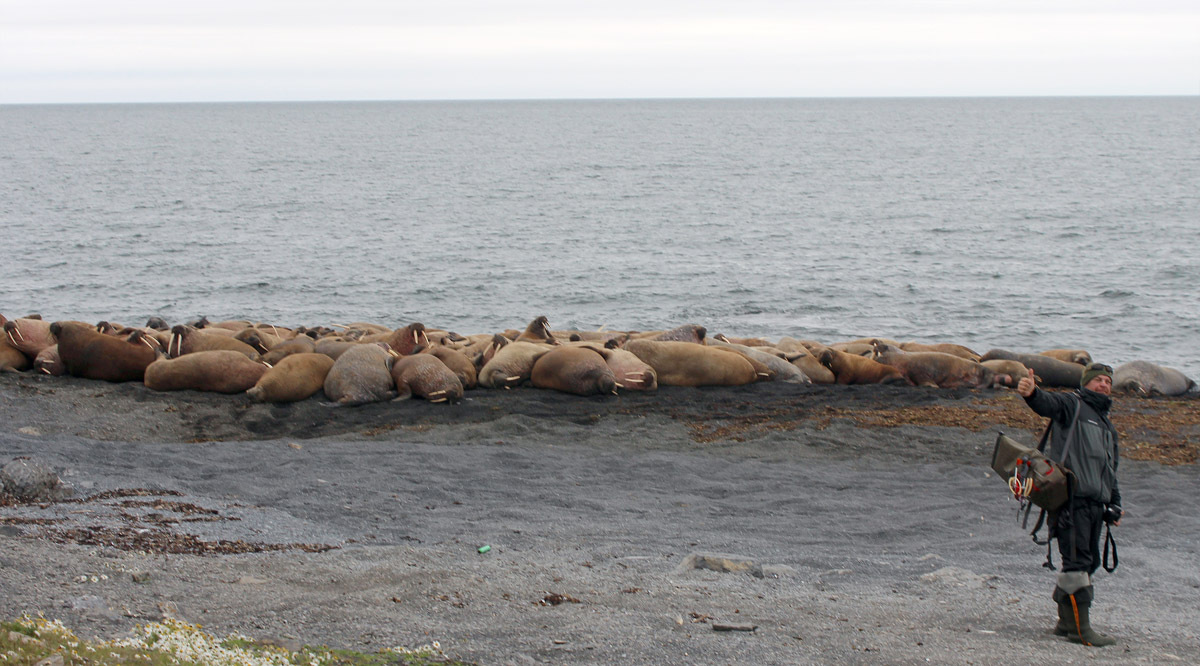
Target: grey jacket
[{"x": 1092, "y": 455}]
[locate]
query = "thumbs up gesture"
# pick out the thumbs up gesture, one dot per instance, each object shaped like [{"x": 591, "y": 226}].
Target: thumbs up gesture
[{"x": 1027, "y": 384}]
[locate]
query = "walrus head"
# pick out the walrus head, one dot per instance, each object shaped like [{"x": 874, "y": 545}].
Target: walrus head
[{"x": 157, "y": 323}]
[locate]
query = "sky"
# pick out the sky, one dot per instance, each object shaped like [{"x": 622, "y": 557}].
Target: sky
[{"x": 84, "y": 51}]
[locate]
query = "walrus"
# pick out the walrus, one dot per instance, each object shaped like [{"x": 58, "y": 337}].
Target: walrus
[
  {"x": 1008, "y": 373},
  {"x": 745, "y": 342},
  {"x": 293, "y": 378},
  {"x": 937, "y": 368},
  {"x": 686, "y": 333},
  {"x": 538, "y": 330},
  {"x": 1145, "y": 378},
  {"x": 813, "y": 369},
  {"x": 780, "y": 369},
  {"x": 49, "y": 362},
  {"x": 458, "y": 362},
  {"x": 691, "y": 364},
  {"x": 511, "y": 364},
  {"x": 360, "y": 375},
  {"x": 11, "y": 358},
  {"x": 404, "y": 340},
  {"x": 188, "y": 340},
  {"x": 1078, "y": 356},
  {"x": 943, "y": 347},
  {"x": 1049, "y": 371},
  {"x": 158, "y": 324},
  {"x": 30, "y": 336},
  {"x": 261, "y": 341},
  {"x": 851, "y": 368},
  {"x": 632, "y": 373},
  {"x": 577, "y": 370},
  {"x": 215, "y": 371},
  {"x": 92, "y": 355},
  {"x": 301, "y": 344},
  {"x": 425, "y": 376}
]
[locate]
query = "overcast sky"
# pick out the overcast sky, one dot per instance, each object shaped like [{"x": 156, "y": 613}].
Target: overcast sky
[{"x": 222, "y": 50}]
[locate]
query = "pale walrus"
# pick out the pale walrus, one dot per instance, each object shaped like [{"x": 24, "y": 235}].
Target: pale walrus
[
  {"x": 1145, "y": 378},
  {"x": 92, "y": 355},
  {"x": 579, "y": 370},
  {"x": 1008, "y": 373},
  {"x": 30, "y": 336},
  {"x": 780, "y": 368},
  {"x": 49, "y": 362},
  {"x": 216, "y": 371},
  {"x": 362, "y": 374},
  {"x": 692, "y": 364},
  {"x": 632, "y": 373},
  {"x": 943, "y": 347},
  {"x": 1078, "y": 356},
  {"x": 295, "y": 377},
  {"x": 1049, "y": 371},
  {"x": 511, "y": 364},
  {"x": 425, "y": 376}
]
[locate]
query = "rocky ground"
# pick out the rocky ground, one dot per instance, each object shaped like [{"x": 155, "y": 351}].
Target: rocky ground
[{"x": 763, "y": 524}]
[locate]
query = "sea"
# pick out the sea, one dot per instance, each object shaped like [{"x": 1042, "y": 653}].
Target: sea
[{"x": 1014, "y": 223}]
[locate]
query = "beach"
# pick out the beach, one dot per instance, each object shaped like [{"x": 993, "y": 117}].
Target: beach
[{"x": 772, "y": 523}]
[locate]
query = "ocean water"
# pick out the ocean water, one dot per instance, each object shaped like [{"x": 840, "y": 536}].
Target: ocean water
[{"x": 1022, "y": 223}]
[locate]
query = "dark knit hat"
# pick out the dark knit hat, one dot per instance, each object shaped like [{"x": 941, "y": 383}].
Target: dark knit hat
[{"x": 1094, "y": 370}]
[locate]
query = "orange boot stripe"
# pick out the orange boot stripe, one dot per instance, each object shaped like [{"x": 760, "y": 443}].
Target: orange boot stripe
[{"x": 1078, "y": 629}]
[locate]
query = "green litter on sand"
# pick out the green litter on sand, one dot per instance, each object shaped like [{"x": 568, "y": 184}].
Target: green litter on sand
[{"x": 484, "y": 549}]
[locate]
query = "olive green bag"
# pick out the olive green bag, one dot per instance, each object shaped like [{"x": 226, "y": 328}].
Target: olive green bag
[{"x": 1030, "y": 475}]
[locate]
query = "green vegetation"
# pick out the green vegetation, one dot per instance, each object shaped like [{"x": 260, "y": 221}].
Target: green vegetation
[{"x": 173, "y": 643}]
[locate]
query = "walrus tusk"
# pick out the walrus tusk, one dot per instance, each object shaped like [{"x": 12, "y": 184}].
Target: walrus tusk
[
  {"x": 274, "y": 330},
  {"x": 266, "y": 364},
  {"x": 175, "y": 346},
  {"x": 143, "y": 340},
  {"x": 509, "y": 379},
  {"x": 339, "y": 326},
  {"x": 18, "y": 332},
  {"x": 393, "y": 353},
  {"x": 764, "y": 374},
  {"x": 439, "y": 399},
  {"x": 416, "y": 338},
  {"x": 442, "y": 392},
  {"x": 44, "y": 369},
  {"x": 618, "y": 385}
]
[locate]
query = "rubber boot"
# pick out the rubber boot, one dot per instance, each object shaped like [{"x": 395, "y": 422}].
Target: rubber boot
[{"x": 1073, "y": 613}]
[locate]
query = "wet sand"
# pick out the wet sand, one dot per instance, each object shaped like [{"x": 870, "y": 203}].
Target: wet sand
[{"x": 874, "y": 529}]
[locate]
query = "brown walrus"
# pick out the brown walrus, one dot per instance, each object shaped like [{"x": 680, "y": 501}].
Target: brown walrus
[
  {"x": 11, "y": 358},
  {"x": 686, "y": 333},
  {"x": 92, "y": 355},
  {"x": 295, "y": 377},
  {"x": 405, "y": 340},
  {"x": 188, "y": 340},
  {"x": 216, "y": 371},
  {"x": 579, "y": 370},
  {"x": 632, "y": 373},
  {"x": 692, "y": 364},
  {"x": 538, "y": 330},
  {"x": 936, "y": 368},
  {"x": 854, "y": 369},
  {"x": 50, "y": 363},
  {"x": 425, "y": 376},
  {"x": 301, "y": 344},
  {"x": 458, "y": 362},
  {"x": 360, "y": 375}
]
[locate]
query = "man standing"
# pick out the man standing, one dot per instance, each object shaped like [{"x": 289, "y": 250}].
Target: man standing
[{"x": 1080, "y": 428}]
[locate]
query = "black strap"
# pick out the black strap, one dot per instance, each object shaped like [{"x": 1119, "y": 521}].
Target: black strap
[{"x": 1110, "y": 544}]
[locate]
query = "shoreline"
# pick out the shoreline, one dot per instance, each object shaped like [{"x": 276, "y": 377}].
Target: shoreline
[{"x": 879, "y": 539}]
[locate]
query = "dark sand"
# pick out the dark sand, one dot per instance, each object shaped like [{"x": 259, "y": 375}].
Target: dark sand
[{"x": 880, "y": 536}]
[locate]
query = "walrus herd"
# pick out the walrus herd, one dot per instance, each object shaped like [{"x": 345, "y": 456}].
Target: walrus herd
[{"x": 363, "y": 362}]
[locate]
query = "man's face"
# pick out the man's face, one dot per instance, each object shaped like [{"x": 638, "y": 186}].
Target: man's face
[{"x": 1100, "y": 384}]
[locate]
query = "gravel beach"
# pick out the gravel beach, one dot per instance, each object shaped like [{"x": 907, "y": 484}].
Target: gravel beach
[{"x": 769, "y": 524}]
